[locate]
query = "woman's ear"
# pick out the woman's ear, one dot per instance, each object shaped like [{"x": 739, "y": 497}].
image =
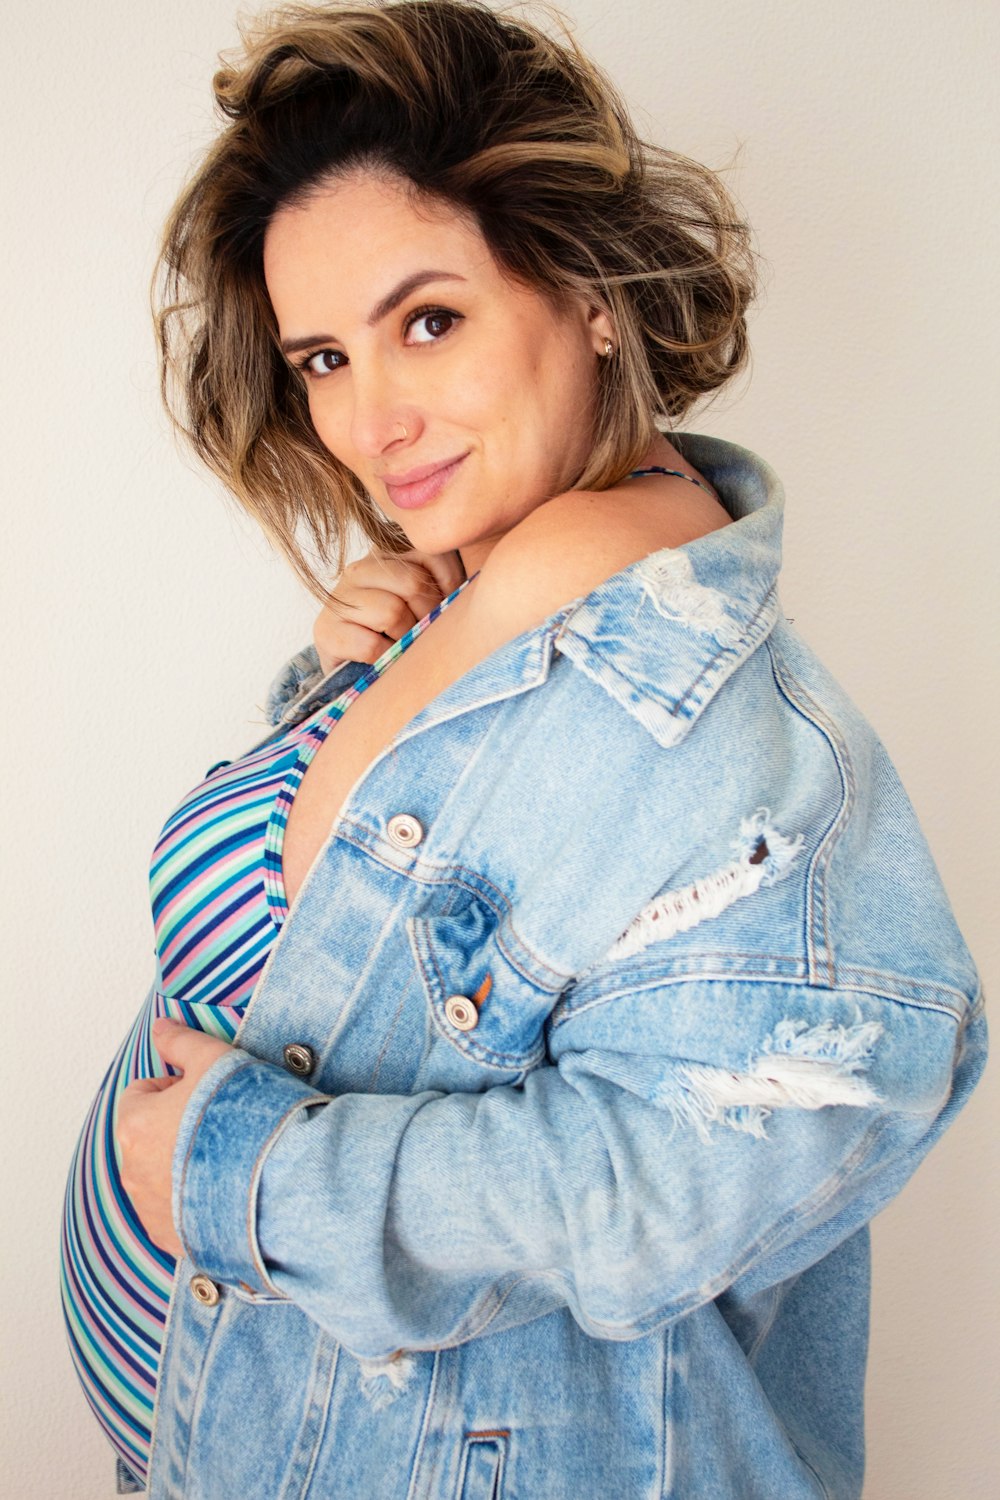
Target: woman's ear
[{"x": 602, "y": 331}]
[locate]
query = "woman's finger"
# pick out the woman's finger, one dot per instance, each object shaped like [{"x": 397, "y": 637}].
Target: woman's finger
[
  {"x": 151, "y": 1085},
  {"x": 380, "y": 612},
  {"x": 388, "y": 611},
  {"x": 423, "y": 579},
  {"x": 444, "y": 567},
  {"x": 378, "y": 598},
  {"x": 412, "y": 573}
]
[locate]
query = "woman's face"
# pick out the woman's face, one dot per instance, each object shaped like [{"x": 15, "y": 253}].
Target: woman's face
[{"x": 459, "y": 399}]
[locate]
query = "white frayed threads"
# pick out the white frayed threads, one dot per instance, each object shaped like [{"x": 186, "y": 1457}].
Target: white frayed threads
[
  {"x": 679, "y": 910},
  {"x": 764, "y": 857},
  {"x": 799, "y": 1066},
  {"x": 667, "y": 579},
  {"x": 382, "y": 1380}
]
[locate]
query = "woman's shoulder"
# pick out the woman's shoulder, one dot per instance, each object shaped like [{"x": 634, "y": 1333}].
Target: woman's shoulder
[{"x": 569, "y": 545}]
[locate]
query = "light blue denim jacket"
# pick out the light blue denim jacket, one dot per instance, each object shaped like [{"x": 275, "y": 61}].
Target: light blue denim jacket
[{"x": 621, "y": 996}]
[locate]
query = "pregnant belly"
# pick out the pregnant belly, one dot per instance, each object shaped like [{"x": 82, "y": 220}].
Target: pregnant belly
[{"x": 116, "y": 1284}]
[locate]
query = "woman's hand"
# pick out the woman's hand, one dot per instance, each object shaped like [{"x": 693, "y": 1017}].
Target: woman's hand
[
  {"x": 381, "y": 597},
  {"x": 149, "y": 1117}
]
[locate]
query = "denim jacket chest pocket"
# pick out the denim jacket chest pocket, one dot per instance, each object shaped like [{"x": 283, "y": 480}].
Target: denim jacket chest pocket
[{"x": 486, "y": 1017}]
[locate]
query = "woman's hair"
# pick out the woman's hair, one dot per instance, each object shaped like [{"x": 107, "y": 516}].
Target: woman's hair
[{"x": 516, "y": 130}]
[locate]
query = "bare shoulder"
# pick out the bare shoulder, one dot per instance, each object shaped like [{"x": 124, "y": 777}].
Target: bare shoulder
[{"x": 570, "y": 544}]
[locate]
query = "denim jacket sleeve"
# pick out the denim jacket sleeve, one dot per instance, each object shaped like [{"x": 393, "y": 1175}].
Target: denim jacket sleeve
[
  {"x": 678, "y": 1138},
  {"x": 301, "y": 686},
  {"x": 295, "y": 678}
]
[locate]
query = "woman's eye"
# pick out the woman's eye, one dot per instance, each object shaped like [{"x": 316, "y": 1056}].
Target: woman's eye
[
  {"x": 322, "y": 362},
  {"x": 430, "y": 323}
]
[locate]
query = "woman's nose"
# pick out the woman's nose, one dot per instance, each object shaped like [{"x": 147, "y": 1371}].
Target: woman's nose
[{"x": 382, "y": 415}]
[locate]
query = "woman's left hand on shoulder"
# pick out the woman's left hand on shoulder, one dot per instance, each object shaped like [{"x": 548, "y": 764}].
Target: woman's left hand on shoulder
[{"x": 149, "y": 1117}]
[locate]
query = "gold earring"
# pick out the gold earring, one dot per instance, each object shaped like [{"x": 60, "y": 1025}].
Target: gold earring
[{"x": 609, "y": 348}]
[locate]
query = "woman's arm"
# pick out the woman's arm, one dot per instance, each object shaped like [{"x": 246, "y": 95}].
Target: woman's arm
[{"x": 654, "y": 1161}]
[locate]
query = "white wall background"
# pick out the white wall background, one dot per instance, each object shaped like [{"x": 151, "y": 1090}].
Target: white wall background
[{"x": 143, "y": 617}]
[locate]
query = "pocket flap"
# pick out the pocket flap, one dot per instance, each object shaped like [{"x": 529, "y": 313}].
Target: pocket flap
[{"x": 485, "y": 1007}]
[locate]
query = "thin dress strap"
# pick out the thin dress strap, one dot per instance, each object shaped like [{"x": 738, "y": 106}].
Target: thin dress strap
[{"x": 637, "y": 473}]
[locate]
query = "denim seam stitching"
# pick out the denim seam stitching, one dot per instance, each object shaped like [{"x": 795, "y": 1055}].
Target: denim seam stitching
[
  {"x": 763, "y": 1333},
  {"x": 411, "y": 1493},
  {"x": 729, "y": 981},
  {"x": 390, "y": 1032},
  {"x": 315, "y": 1418},
  {"x": 666, "y": 1455},
  {"x": 255, "y": 1175},
  {"x": 800, "y": 701}
]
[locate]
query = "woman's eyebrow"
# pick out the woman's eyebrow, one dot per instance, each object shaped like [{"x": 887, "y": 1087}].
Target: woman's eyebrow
[
  {"x": 382, "y": 309},
  {"x": 406, "y": 287}
]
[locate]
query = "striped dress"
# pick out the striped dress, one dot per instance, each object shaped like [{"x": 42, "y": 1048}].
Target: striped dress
[{"x": 218, "y": 905}]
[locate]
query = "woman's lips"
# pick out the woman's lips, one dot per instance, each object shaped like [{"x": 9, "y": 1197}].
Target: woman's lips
[{"x": 419, "y": 486}]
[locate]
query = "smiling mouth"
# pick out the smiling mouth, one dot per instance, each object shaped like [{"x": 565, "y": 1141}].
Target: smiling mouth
[{"x": 419, "y": 486}]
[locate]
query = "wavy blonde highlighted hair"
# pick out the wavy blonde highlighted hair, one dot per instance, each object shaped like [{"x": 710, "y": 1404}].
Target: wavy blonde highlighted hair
[{"x": 488, "y": 113}]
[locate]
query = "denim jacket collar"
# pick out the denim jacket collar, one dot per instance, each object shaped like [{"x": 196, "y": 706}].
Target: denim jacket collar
[
  {"x": 662, "y": 635},
  {"x": 665, "y": 633}
]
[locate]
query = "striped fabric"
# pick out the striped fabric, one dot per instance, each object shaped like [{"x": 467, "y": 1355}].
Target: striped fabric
[{"x": 218, "y": 904}]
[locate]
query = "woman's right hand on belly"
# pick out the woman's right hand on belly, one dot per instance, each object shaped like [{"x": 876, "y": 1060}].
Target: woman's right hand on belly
[{"x": 379, "y": 598}]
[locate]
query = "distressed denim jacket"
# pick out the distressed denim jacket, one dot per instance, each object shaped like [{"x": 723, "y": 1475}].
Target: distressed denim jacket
[{"x": 621, "y": 996}]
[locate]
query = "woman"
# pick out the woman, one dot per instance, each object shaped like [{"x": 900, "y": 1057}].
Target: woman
[{"x": 525, "y": 1058}]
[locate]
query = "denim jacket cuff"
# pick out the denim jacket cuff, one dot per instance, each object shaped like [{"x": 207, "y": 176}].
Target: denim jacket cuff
[
  {"x": 301, "y": 686},
  {"x": 233, "y": 1117},
  {"x": 296, "y": 676}
]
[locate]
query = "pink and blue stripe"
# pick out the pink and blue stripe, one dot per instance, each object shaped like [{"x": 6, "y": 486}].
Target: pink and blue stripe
[{"x": 218, "y": 904}]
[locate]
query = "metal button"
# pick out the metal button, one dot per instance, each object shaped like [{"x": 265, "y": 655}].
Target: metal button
[
  {"x": 204, "y": 1291},
  {"x": 299, "y": 1058},
  {"x": 461, "y": 1012},
  {"x": 404, "y": 831}
]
